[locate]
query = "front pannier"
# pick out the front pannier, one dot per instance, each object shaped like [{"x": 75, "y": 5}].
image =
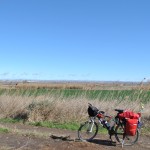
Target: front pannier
[
  {"x": 131, "y": 127},
  {"x": 92, "y": 111}
]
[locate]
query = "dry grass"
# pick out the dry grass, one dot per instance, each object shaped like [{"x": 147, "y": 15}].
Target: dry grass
[
  {"x": 76, "y": 85},
  {"x": 46, "y": 108},
  {"x": 60, "y": 109}
]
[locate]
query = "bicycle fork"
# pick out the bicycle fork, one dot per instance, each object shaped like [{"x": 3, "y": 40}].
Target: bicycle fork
[{"x": 90, "y": 128}]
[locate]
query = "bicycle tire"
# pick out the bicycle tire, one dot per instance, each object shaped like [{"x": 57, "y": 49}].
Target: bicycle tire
[
  {"x": 128, "y": 140},
  {"x": 83, "y": 132}
]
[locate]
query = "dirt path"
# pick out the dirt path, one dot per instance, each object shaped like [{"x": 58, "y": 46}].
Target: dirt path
[{"x": 26, "y": 137}]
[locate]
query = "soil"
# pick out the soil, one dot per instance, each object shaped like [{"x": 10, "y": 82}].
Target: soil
[{"x": 26, "y": 137}]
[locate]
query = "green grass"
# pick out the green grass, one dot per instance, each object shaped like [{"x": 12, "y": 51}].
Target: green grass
[
  {"x": 69, "y": 126},
  {"x": 102, "y": 130},
  {"x": 131, "y": 95},
  {"x": 9, "y": 120},
  {"x": 4, "y": 130}
]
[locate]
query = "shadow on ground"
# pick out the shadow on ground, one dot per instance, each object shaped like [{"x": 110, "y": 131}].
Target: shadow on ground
[{"x": 103, "y": 142}]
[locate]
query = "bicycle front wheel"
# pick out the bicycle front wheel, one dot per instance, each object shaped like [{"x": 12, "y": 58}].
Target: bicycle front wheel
[
  {"x": 128, "y": 140},
  {"x": 87, "y": 131}
]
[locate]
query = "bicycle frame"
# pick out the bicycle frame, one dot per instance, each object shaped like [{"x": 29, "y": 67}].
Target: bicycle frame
[{"x": 101, "y": 121}]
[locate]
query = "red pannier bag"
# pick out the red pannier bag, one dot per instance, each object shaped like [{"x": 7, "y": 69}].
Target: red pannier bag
[
  {"x": 131, "y": 127},
  {"x": 128, "y": 114},
  {"x": 131, "y": 121}
]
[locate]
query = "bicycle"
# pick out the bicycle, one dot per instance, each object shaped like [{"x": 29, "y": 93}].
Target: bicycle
[{"x": 115, "y": 126}]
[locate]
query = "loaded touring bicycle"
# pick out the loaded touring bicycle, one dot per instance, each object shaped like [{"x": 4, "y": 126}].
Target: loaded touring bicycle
[{"x": 124, "y": 126}]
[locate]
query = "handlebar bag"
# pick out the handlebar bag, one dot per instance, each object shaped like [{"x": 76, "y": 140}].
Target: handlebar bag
[{"x": 92, "y": 111}]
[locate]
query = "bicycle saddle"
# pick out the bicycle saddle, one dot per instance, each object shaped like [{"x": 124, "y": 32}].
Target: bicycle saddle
[{"x": 119, "y": 110}]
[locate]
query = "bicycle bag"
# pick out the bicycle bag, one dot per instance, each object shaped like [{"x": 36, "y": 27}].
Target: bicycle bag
[
  {"x": 92, "y": 111},
  {"x": 129, "y": 115},
  {"x": 131, "y": 126}
]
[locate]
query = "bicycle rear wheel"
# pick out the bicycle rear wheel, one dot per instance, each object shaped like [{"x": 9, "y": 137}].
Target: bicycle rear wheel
[
  {"x": 128, "y": 140},
  {"x": 87, "y": 131}
]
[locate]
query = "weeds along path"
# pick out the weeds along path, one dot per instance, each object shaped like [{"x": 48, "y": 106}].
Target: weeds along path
[{"x": 26, "y": 137}]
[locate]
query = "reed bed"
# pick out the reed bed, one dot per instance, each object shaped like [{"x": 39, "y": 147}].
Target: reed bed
[{"x": 59, "y": 108}]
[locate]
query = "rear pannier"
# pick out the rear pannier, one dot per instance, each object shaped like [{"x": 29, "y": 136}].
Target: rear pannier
[
  {"x": 131, "y": 122},
  {"x": 131, "y": 126},
  {"x": 128, "y": 114}
]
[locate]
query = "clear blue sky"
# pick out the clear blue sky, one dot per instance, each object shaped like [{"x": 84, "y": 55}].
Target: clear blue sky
[{"x": 106, "y": 40}]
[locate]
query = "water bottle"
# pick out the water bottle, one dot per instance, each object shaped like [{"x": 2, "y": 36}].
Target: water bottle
[{"x": 106, "y": 124}]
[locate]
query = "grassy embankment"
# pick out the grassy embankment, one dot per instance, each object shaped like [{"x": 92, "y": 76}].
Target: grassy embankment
[{"x": 67, "y": 108}]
